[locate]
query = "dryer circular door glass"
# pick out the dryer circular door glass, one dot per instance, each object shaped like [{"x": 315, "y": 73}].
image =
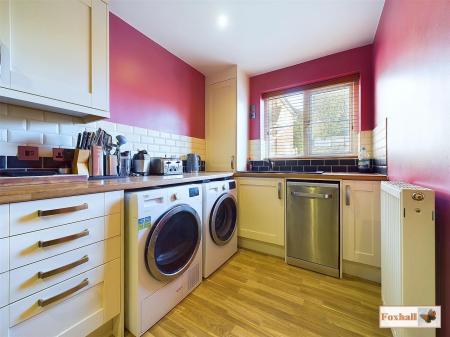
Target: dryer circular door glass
[
  {"x": 173, "y": 242},
  {"x": 222, "y": 222}
]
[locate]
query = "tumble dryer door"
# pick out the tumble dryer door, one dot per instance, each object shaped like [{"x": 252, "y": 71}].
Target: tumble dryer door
[
  {"x": 223, "y": 219},
  {"x": 173, "y": 242}
]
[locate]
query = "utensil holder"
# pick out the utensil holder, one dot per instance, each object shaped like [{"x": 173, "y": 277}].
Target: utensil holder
[
  {"x": 80, "y": 163},
  {"x": 96, "y": 161},
  {"x": 111, "y": 165}
]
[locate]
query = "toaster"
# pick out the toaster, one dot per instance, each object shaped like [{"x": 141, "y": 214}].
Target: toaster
[{"x": 166, "y": 166}]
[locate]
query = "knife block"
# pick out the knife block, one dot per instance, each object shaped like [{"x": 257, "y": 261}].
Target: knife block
[{"x": 80, "y": 164}]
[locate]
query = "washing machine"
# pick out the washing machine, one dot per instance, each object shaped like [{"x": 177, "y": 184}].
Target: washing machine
[
  {"x": 219, "y": 224},
  {"x": 163, "y": 252}
]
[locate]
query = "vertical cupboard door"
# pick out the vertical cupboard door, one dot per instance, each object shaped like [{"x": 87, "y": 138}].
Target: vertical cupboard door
[
  {"x": 261, "y": 209},
  {"x": 221, "y": 125},
  {"x": 361, "y": 222},
  {"x": 59, "y": 50},
  {"x": 4, "y": 320},
  {"x": 4, "y": 44}
]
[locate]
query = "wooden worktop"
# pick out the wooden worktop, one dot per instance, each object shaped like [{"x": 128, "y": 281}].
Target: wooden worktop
[
  {"x": 19, "y": 193},
  {"x": 325, "y": 175}
]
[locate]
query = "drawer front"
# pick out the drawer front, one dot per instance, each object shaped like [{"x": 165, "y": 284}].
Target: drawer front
[
  {"x": 4, "y": 321},
  {"x": 4, "y": 255},
  {"x": 36, "y": 215},
  {"x": 26, "y": 280},
  {"x": 77, "y": 313},
  {"x": 4, "y": 290},
  {"x": 25, "y": 248},
  {"x": 4, "y": 221},
  {"x": 113, "y": 202}
]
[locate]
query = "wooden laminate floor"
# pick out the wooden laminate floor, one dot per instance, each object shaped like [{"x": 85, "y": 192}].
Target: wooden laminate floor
[{"x": 255, "y": 295}]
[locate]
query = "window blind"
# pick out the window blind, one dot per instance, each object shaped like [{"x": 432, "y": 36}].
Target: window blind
[{"x": 313, "y": 122}]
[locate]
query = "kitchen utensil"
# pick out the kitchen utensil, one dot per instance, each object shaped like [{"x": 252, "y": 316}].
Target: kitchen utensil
[
  {"x": 166, "y": 166},
  {"x": 141, "y": 163},
  {"x": 78, "y": 140},
  {"x": 193, "y": 163},
  {"x": 125, "y": 164},
  {"x": 83, "y": 140}
]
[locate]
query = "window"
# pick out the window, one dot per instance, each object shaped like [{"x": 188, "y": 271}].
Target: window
[{"x": 312, "y": 122}]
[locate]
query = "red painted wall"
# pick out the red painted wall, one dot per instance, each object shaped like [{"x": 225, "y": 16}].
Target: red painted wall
[
  {"x": 152, "y": 88},
  {"x": 412, "y": 82},
  {"x": 353, "y": 61}
]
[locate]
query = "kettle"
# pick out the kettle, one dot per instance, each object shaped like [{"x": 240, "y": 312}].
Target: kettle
[
  {"x": 192, "y": 163},
  {"x": 141, "y": 163}
]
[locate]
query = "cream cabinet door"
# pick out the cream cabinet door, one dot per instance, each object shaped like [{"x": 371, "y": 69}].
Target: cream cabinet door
[
  {"x": 59, "y": 50},
  {"x": 261, "y": 209},
  {"x": 4, "y": 320},
  {"x": 4, "y": 45},
  {"x": 361, "y": 222},
  {"x": 221, "y": 125}
]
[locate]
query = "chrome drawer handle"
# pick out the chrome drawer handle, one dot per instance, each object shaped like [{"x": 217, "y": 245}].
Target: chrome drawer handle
[
  {"x": 347, "y": 195},
  {"x": 43, "y": 303},
  {"x": 45, "y": 274},
  {"x": 312, "y": 195},
  {"x": 42, "y": 244},
  {"x": 64, "y": 210}
]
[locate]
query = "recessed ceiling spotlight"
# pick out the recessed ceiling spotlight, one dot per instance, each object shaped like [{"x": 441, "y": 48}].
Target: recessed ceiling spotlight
[{"x": 222, "y": 21}]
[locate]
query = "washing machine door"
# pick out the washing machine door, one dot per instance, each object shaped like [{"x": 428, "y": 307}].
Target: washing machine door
[
  {"x": 223, "y": 219},
  {"x": 173, "y": 242}
]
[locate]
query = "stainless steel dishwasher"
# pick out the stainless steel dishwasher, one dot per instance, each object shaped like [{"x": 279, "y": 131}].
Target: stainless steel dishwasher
[{"x": 312, "y": 226}]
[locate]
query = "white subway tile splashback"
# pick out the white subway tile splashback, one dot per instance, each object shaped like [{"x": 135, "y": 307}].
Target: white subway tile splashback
[
  {"x": 71, "y": 129},
  {"x": 24, "y": 126},
  {"x": 13, "y": 123},
  {"x": 39, "y": 126},
  {"x": 139, "y": 131},
  {"x": 58, "y": 140},
  {"x": 24, "y": 137},
  {"x": 124, "y": 128},
  {"x": 147, "y": 140}
]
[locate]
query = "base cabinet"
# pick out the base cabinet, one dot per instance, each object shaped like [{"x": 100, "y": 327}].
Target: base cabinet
[
  {"x": 361, "y": 222},
  {"x": 62, "y": 272},
  {"x": 261, "y": 209}
]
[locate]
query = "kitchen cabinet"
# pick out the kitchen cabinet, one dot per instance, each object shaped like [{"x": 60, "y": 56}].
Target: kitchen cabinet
[
  {"x": 261, "y": 209},
  {"x": 54, "y": 55},
  {"x": 226, "y": 121},
  {"x": 61, "y": 271},
  {"x": 361, "y": 222}
]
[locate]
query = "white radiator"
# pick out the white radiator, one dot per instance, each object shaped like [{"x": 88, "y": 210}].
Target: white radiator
[{"x": 407, "y": 249}]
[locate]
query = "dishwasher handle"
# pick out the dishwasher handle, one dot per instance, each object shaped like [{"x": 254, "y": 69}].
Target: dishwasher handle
[{"x": 312, "y": 195}]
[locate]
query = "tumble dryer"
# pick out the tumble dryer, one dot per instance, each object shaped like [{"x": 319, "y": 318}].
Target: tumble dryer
[
  {"x": 219, "y": 224},
  {"x": 163, "y": 252}
]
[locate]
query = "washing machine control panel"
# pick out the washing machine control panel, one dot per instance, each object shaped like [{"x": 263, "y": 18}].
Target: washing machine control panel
[
  {"x": 232, "y": 185},
  {"x": 193, "y": 192}
]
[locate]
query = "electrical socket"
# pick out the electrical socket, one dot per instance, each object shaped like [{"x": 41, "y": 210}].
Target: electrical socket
[
  {"x": 27, "y": 152},
  {"x": 58, "y": 154}
]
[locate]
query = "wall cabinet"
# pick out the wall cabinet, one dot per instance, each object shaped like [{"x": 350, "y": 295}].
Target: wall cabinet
[
  {"x": 261, "y": 209},
  {"x": 361, "y": 222},
  {"x": 226, "y": 121},
  {"x": 54, "y": 55}
]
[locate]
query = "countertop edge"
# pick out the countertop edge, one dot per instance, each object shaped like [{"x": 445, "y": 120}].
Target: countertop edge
[
  {"x": 323, "y": 176},
  {"x": 24, "y": 193}
]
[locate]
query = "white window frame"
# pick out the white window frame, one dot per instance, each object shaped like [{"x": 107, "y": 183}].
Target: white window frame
[{"x": 307, "y": 93}]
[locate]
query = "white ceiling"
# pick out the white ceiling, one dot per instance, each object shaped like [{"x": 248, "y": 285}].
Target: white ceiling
[{"x": 262, "y": 35}]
